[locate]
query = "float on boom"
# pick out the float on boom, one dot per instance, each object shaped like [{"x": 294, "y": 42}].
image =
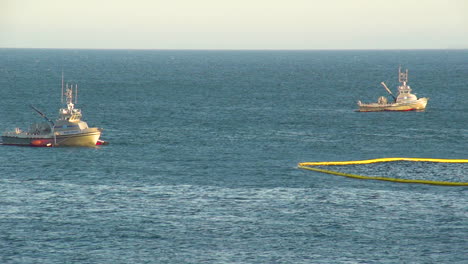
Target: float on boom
[
  {"x": 67, "y": 130},
  {"x": 405, "y": 100}
]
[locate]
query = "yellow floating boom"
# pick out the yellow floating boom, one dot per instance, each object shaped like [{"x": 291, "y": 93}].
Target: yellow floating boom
[{"x": 309, "y": 166}]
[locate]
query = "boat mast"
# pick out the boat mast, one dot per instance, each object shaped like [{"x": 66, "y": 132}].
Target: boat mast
[
  {"x": 69, "y": 95},
  {"x": 402, "y": 76}
]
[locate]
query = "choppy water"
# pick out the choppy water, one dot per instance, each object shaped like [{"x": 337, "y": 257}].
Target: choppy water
[{"x": 201, "y": 166}]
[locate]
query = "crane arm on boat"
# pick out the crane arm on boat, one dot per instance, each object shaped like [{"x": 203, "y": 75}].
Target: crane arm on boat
[
  {"x": 42, "y": 114},
  {"x": 388, "y": 90}
]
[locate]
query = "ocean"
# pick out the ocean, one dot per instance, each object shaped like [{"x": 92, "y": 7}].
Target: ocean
[{"x": 202, "y": 161}]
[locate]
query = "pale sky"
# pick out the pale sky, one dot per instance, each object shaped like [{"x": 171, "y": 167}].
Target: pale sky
[{"x": 234, "y": 24}]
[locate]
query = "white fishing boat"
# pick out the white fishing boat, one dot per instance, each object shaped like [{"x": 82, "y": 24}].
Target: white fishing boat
[
  {"x": 67, "y": 130},
  {"x": 404, "y": 101}
]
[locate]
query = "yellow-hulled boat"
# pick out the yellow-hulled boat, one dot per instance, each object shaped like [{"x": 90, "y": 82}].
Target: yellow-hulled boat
[
  {"x": 67, "y": 130},
  {"x": 405, "y": 100}
]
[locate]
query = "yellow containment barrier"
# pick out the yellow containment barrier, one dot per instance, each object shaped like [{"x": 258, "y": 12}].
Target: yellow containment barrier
[{"x": 310, "y": 166}]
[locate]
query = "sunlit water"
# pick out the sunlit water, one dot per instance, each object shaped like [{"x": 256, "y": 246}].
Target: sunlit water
[{"x": 202, "y": 161}]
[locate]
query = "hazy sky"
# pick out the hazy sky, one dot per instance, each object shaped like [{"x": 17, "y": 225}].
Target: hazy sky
[{"x": 234, "y": 24}]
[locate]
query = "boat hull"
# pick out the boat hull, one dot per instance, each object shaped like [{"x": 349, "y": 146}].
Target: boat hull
[
  {"x": 88, "y": 139},
  {"x": 417, "y": 105}
]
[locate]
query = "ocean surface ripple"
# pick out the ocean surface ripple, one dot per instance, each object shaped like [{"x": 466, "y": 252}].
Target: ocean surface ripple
[{"x": 202, "y": 161}]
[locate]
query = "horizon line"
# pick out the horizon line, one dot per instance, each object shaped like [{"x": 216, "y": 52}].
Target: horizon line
[{"x": 253, "y": 49}]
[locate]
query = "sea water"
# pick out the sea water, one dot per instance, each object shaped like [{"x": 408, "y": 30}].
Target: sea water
[{"x": 202, "y": 161}]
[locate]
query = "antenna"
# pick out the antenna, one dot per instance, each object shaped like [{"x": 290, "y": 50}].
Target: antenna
[
  {"x": 76, "y": 93},
  {"x": 65, "y": 95},
  {"x": 402, "y": 76},
  {"x": 61, "y": 96}
]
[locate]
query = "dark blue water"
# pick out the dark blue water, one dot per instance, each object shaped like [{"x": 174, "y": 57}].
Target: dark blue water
[{"x": 201, "y": 166}]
